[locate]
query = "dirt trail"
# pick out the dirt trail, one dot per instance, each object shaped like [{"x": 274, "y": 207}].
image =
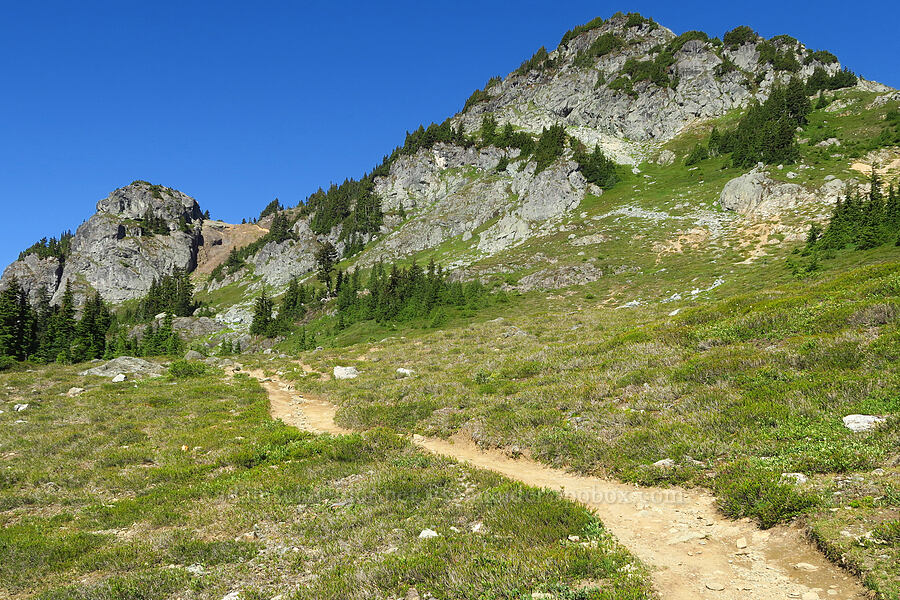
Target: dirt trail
[
  {"x": 692, "y": 550},
  {"x": 303, "y": 412}
]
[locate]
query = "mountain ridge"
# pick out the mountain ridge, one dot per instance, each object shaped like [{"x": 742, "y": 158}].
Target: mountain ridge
[{"x": 624, "y": 84}]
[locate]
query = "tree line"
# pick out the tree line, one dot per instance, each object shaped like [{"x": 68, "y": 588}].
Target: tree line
[
  {"x": 394, "y": 294},
  {"x": 53, "y": 247},
  {"x": 860, "y": 221},
  {"x": 47, "y": 333}
]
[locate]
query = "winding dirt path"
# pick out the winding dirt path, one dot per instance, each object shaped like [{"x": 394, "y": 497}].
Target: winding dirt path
[{"x": 692, "y": 550}]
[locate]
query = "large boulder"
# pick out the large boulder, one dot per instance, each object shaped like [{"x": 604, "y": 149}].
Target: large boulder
[
  {"x": 345, "y": 373},
  {"x": 126, "y": 365},
  {"x": 863, "y": 423},
  {"x": 756, "y": 193}
]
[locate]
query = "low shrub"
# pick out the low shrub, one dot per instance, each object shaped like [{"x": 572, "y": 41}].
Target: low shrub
[
  {"x": 747, "y": 489},
  {"x": 181, "y": 369}
]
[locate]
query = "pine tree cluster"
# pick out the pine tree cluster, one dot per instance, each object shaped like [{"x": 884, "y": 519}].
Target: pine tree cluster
[
  {"x": 52, "y": 247},
  {"x": 46, "y": 333},
  {"x": 766, "y": 133},
  {"x": 860, "y": 221},
  {"x": 402, "y": 294},
  {"x": 173, "y": 294},
  {"x": 153, "y": 225}
]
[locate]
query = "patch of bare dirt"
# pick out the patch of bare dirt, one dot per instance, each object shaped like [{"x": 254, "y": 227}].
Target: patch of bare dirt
[{"x": 220, "y": 238}]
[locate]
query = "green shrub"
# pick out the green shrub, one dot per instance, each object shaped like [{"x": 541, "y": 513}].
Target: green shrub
[
  {"x": 181, "y": 369},
  {"x": 823, "y": 56},
  {"x": 143, "y": 586},
  {"x": 888, "y": 532},
  {"x": 747, "y": 489},
  {"x": 575, "y": 32},
  {"x": 676, "y": 44},
  {"x": 739, "y": 36},
  {"x": 190, "y": 552},
  {"x": 699, "y": 153},
  {"x": 602, "y": 46},
  {"x": 6, "y": 362}
]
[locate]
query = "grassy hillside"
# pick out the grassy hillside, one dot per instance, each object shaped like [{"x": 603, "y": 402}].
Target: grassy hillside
[
  {"x": 736, "y": 391},
  {"x": 183, "y": 487}
]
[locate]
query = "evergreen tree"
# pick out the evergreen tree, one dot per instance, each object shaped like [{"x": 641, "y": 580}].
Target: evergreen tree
[
  {"x": 326, "y": 258},
  {"x": 262, "y": 315}
]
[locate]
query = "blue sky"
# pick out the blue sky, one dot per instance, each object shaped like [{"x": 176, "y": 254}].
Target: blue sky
[{"x": 239, "y": 103}]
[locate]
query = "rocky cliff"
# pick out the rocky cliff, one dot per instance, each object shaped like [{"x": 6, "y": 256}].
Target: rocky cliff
[{"x": 139, "y": 233}]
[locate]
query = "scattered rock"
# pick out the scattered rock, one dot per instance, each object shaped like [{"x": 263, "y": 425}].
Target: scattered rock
[
  {"x": 75, "y": 391},
  {"x": 514, "y": 331},
  {"x": 809, "y": 596},
  {"x": 345, "y": 373},
  {"x": 477, "y": 527},
  {"x": 428, "y": 534},
  {"x": 715, "y": 586},
  {"x": 19, "y": 407},
  {"x": 862, "y": 423},
  {"x": 119, "y": 378},
  {"x": 666, "y": 463},
  {"x": 828, "y": 142},
  {"x": 405, "y": 372},
  {"x": 806, "y": 567},
  {"x": 665, "y": 158},
  {"x": 741, "y": 543},
  {"x": 193, "y": 355},
  {"x": 232, "y": 596},
  {"x": 127, "y": 365}
]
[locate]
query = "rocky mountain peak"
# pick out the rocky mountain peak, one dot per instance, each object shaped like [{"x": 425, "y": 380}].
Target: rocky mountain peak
[{"x": 141, "y": 198}]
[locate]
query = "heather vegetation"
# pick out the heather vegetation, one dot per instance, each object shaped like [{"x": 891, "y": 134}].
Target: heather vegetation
[{"x": 226, "y": 500}]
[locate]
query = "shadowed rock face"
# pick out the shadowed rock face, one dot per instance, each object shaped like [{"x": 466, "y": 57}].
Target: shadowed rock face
[
  {"x": 35, "y": 275},
  {"x": 113, "y": 253}
]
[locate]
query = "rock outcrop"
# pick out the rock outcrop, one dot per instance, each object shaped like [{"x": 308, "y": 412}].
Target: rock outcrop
[
  {"x": 36, "y": 275},
  {"x": 707, "y": 82},
  {"x": 139, "y": 233},
  {"x": 756, "y": 193}
]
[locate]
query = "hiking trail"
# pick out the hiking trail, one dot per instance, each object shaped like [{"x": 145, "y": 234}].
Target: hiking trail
[{"x": 691, "y": 549}]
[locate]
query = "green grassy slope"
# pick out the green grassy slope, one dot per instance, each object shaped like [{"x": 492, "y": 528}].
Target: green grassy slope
[
  {"x": 737, "y": 391},
  {"x": 185, "y": 488}
]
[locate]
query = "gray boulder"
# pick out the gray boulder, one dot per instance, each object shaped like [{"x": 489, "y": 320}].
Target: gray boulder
[
  {"x": 345, "y": 373},
  {"x": 756, "y": 193},
  {"x": 126, "y": 365},
  {"x": 863, "y": 423}
]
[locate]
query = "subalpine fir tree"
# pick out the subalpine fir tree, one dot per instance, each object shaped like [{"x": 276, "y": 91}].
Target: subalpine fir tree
[{"x": 262, "y": 315}]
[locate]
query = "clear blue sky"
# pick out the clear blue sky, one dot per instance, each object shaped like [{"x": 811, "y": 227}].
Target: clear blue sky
[{"x": 237, "y": 103}]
